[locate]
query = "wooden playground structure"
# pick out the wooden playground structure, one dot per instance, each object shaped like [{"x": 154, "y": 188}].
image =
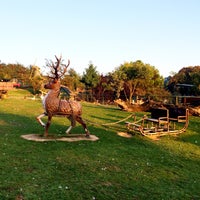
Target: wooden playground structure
[{"x": 162, "y": 121}]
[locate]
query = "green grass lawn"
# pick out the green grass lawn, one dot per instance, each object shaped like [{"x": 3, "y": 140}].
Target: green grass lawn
[{"x": 113, "y": 167}]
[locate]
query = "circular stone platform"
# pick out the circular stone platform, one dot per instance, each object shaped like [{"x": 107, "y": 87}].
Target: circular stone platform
[{"x": 67, "y": 138}]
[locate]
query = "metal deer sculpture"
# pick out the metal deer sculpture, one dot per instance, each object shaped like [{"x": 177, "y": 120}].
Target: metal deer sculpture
[{"x": 53, "y": 105}]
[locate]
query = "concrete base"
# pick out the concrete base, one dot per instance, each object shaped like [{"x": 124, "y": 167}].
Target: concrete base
[{"x": 67, "y": 138}]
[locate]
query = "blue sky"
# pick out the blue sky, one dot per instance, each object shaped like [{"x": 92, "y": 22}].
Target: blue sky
[{"x": 162, "y": 33}]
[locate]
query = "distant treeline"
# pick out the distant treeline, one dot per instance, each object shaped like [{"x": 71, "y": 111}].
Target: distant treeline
[{"x": 129, "y": 80}]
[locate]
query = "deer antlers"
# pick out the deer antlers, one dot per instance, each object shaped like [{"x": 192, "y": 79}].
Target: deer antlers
[{"x": 57, "y": 69}]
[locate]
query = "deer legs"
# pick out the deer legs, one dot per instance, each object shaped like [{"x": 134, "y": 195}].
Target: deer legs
[
  {"x": 39, "y": 119},
  {"x": 47, "y": 125},
  {"x": 80, "y": 120},
  {"x": 73, "y": 123},
  {"x": 73, "y": 120},
  {"x": 69, "y": 129}
]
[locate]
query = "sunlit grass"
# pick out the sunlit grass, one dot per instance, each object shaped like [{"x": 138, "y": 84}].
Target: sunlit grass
[{"x": 111, "y": 168}]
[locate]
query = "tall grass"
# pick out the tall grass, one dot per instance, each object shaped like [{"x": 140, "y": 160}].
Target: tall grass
[{"x": 113, "y": 167}]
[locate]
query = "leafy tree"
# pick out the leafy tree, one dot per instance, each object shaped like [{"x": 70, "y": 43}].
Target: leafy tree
[
  {"x": 36, "y": 79},
  {"x": 104, "y": 90},
  {"x": 72, "y": 80},
  {"x": 17, "y": 71},
  {"x": 118, "y": 77},
  {"x": 187, "y": 75},
  {"x": 136, "y": 78}
]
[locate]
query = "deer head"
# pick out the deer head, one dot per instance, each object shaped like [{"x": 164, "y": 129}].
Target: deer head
[
  {"x": 57, "y": 70},
  {"x": 53, "y": 84}
]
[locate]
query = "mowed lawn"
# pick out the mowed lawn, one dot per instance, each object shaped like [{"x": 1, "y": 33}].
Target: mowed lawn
[{"x": 113, "y": 167}]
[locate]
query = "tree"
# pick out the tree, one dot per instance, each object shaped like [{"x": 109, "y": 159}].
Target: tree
[
  {"x": 188, "y": 76},
  {"x": 72, "y": 80},
  {"x": 36, "y": 79},
  {"x": 17, "y": 71},
  {"x": 90, "y": 77},
  {"x": 118, "y": 77},
  {"x": 104, "y": 90},
  {"x": 136, "y": 78}
]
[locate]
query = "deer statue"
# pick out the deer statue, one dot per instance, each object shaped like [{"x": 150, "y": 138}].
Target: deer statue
[{"x": 53, "y": 105}]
